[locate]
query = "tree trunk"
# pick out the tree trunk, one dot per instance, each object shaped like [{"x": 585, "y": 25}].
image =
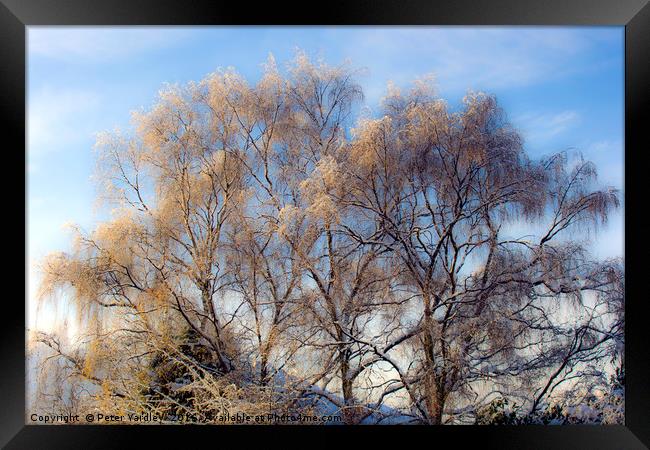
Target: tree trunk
[
  {"x": 210, "y": 328},
  {"x": 346, "y": 385},
  {"x": 264, "y": 372},
  {"x": 433, "y": 390}
]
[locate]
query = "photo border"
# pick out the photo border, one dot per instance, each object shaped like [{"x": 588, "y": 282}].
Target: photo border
[{"x": 16, "y": 15}]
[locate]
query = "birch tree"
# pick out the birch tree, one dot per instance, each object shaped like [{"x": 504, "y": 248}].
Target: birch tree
[{"x": 267, "y": 247}]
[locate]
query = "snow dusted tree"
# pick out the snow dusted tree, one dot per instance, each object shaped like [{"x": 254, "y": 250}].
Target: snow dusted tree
[
  {"x": 442, "y": 188},
  {"x": 259, "y": 236}
]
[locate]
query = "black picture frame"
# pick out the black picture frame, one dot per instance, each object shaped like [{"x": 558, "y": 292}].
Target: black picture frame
[{"x": 16, "y": 15}]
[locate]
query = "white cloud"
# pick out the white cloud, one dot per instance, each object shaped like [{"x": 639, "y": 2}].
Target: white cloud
[
  {"x": 58, "y": 118},
  {"x": 610, "y": 241},
  {"x": 479, "y": 57},
  {"x": 610, "y": 159},
  {"x": 541, "y": 127},
  {"x": 99, "y": 44}
]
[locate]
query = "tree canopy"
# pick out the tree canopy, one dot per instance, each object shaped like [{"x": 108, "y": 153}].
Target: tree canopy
[{"x": 272, "y": 249}]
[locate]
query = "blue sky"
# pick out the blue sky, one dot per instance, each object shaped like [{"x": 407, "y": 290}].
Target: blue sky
[{"x": 562, "y": 87}]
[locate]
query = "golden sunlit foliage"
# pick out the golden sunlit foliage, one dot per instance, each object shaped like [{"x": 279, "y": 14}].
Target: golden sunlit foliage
[{"x": 267, "y": 252}]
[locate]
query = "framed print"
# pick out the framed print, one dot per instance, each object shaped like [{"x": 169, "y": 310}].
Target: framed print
[{"x": 384, "y": 219}]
